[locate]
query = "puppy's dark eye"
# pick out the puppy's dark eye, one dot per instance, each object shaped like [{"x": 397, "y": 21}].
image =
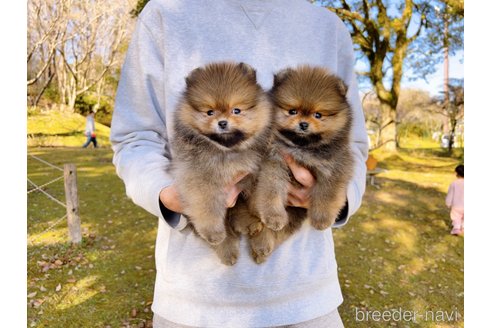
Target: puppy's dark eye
[
  {"x": 236, "y": 111},
  {"x": 317, "y": 115},
  {"x": 292, "y": 112},
  {"x": 210, "y": 113}
]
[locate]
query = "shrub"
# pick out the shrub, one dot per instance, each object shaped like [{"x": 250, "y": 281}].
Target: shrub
[{"x": 87, "y": 102}]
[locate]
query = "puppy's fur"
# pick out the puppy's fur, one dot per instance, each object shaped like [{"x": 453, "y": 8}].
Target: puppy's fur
[
  {"x": 312, "y": 124},
  {"x": 222, "y": 127}
]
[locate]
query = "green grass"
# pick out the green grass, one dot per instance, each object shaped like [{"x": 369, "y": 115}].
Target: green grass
[
  {"x": 61, "y": 128},
  {"x": 395, "y": 252},
  {"x": 112, "y": 272}
]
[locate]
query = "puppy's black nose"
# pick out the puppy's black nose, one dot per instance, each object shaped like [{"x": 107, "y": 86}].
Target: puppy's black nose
[
  {"x": 223, "y": 124},
  {"x": 304, "y": 126}
]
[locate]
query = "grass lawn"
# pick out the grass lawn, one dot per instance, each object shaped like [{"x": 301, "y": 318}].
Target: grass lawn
[
  {"x": 108, "y": 279},
  {"x": 395, "y": 253},
  {"x": 56, "y": 128}
]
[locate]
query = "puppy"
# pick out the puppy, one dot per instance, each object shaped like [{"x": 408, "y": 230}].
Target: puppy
[
  {"x": 312, "y": 124},
  {"x": 222, "y": 126}
]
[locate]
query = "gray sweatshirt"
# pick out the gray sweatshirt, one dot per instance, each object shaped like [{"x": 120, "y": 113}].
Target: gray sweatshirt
[{"x": 299, "y": 280}]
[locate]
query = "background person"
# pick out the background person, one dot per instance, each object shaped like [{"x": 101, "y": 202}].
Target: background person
[
  {"x": 90, "y": 130},
  {"x": 455, "y": 199}
]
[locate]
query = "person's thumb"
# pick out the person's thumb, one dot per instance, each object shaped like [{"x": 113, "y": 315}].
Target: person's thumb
[{"x": 232, "y": 196}]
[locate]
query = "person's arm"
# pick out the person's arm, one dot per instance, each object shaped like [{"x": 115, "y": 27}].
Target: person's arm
[
  {"x": 138, "y": 129},
  {"x": 359, "y": 145}
]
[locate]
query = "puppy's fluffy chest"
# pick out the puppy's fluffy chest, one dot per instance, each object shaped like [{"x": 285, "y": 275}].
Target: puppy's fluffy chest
[{"x": 217, "y": 165}]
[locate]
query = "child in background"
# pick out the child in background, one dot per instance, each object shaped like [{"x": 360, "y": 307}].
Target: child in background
[{"x": 455, "y": 200}]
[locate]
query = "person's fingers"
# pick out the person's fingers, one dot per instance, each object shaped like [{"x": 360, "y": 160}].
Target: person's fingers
[
  {"x": 238, "y": 178},
  {"x": 232, "y": 196},
  {"x": 292, "y": 200},
  {"x": 233, "y": 191},
  {"x": 302, "y": 194},
  {"x": 301, "y": 174},
  {"x": 169, "y": 196}
]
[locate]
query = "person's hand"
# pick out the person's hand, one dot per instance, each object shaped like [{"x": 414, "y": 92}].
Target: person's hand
[
  {"x": 169, "y": 196},
  {"x": 232, "y": 190},
  {"x": 299, "y": 196}
]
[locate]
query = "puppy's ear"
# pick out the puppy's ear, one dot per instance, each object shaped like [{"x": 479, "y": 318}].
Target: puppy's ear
[
  {"x": 281, "y": 76},
  {"x": 342, "y": 87},
  {"x": 248, "y": 70},
  {"x": 191, "y": 78}
]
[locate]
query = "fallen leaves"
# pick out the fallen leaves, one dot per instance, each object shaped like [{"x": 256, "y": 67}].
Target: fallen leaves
[{"x": 31, "y": 295}]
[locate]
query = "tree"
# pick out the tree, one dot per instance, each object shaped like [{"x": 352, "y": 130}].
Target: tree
[
  {"x": 99, "y": 28},
  {"x": 74, "y": 45},
  {"x": 381, "y": 35},
  {"x": 416, "y": 112},
  {"x": 452, "y": 106},
  {"x": 138, "y": 8},
  {"x": 443, "y": 37},
  {"x": 45, "y": 32}
]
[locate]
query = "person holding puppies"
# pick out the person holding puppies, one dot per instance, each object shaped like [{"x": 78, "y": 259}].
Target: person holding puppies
[{"x": 297, "y": 286}]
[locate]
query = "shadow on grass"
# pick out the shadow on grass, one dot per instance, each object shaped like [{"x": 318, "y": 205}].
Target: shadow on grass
[
  {"x": 60, "y": 134},
  {"x": 397, "y": 253},
  {"x": 112, "y": 272},
  {"x": 456, "y": 153}
]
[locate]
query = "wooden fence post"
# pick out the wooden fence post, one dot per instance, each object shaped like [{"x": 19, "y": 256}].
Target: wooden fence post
[{"x": 71, "y": 195}]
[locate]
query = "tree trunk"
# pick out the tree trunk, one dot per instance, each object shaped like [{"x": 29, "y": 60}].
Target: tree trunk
[
  {"x": 388, "y": 130},
  {"x": 453, "y": 123}
]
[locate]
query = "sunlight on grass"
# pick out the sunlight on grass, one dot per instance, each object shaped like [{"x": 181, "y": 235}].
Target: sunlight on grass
[
  {"x": 54, "y": 235},
  {"x": 389, "y": 197},
  {"x": 78, "y": 293},
  {"x": 61, "y": 129},
  {"x": 396, "y": 251},
  {"x": 406, "y": 241},
  {"x": 415, "y": 266}
]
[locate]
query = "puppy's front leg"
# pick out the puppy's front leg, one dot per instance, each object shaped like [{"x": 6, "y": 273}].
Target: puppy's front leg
[
  {"x": 326, "y": 202},
  {"x": 270, "y": 197}
]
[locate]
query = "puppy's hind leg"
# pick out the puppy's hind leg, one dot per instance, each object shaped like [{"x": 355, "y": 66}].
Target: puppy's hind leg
[
  {"x": 208, "y": 217},
  {"x": 228, "y": 250}
]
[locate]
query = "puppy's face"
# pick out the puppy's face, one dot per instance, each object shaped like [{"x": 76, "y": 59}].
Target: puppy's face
[
  {"x": 224, "y": 103},
  {"x": 310, "y": 106}
]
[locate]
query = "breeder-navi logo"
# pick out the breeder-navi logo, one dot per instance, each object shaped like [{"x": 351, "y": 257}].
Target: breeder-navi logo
[{"x": 399, "y": 315}]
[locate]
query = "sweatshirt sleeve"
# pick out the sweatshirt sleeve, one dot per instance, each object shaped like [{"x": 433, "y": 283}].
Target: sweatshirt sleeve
[
  {"x": 138, "y": 129},
  {"x": 359, "y": 145}
]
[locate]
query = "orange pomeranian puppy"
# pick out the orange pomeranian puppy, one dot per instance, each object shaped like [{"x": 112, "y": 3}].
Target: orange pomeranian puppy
[
  {"x": 222, "y": 126},
  {"x": 312, "y": 124}
]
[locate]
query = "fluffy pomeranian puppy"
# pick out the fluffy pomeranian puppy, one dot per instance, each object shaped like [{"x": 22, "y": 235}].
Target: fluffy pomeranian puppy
[
  {"x": 312, "y": 124},
  {"x": 222, "y": 126}
]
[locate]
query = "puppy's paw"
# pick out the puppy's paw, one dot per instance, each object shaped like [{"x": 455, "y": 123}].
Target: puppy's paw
[
  {"x": 213, "y": 237},
  {"x": 229, "y": 256},
  {"x": 275, "y": 221},
  {"x": 321, "y": 222},
  {"x": 261, "y": 248},
  {"x": 258, "y": 258},
  {"x": 255, "y": 228}
]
